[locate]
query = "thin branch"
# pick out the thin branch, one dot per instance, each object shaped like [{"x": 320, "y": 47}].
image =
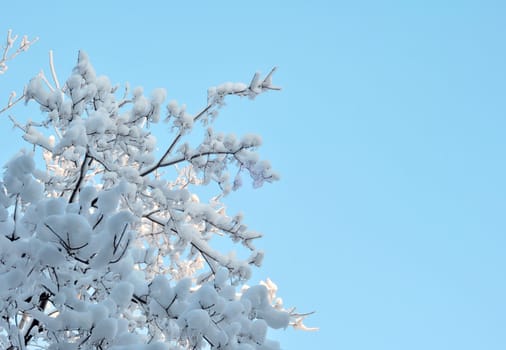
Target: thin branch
[
  {"x": 44, "y": 79},
  {"x": 264, "y": 85},
  {"x": 102, "y": 162},
  {"x": 116, "y": 244},
  {"x": 198, "y": 155},
  {"x": 137, "y": 299},
  {"x": 100, "y": 218},
  {"x": 122, "y": 253},
  {"x": 167, "y": 152},
  {"x": 11, "y": 103},
  {"x": 53, "y": 71},
  {"x": 206, "y": 258},
  {"x": 82, "y": 174},
  {"x": 43, "y": 300},
  {"x": 62, "y": 241},
  {"x": 24, "y": 46},
  {"x": 174, "y": 142}
]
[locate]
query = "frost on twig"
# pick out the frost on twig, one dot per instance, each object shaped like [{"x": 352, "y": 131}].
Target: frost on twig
[
  {"x": 103, "y": 250},
  {"x": 13, "y": 99},
  {"x": 9, "y": 45},
  {"x": 8, "y": 55}
]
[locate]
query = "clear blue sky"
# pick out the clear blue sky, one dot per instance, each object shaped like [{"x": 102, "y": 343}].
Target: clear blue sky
[{"x": 390, "y": 218}]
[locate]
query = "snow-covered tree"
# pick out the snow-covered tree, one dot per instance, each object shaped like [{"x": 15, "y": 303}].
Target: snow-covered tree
[{"x": 109, "y": 246}]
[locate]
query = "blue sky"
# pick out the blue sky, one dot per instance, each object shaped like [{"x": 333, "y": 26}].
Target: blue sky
[{"x": 389, "y": 220}]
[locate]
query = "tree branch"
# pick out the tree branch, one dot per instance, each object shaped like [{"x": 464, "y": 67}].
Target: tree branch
[
  {"x": 82, "y": 174},
  {"x": 174, "y": 143},
  {"x": 11, "y": 103}
]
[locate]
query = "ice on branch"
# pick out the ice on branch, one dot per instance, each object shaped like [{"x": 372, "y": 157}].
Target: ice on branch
[{"x": 103, "y": 250}]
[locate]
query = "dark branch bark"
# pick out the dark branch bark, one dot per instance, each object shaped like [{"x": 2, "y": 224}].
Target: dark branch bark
[{"x": 82, "y": 174}]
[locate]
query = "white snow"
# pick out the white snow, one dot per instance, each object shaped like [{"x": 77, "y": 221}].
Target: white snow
[
  {"x": 104, "y": 329},
  {"x": 197, "y": 319},
  {"x": 122, "y": 293},
  {"x": 49, "y": 255}
]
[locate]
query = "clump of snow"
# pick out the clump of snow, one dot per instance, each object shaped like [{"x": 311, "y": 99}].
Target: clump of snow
[
  {"x": 258, "y": 297},
  {"x": 108, "y": 200},
  {"x": 122, "y": 293},
  {"x": 36, "y": 91},
  {"x": 197, "y": 319},
  {"x": 49, "y": 255},
  {"x": 105, "y": 329}
]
